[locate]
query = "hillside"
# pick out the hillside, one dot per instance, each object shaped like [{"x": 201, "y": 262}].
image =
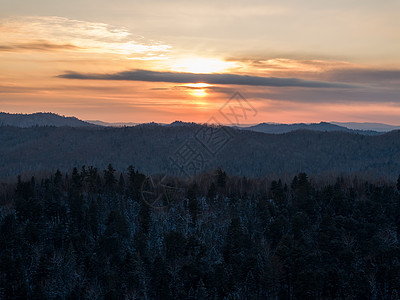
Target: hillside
[
  {"x": 151, "y": 149},
  {"x": 379, "y": 127},
  {"x": 40, "y": 119},
  {"x": 322, "y": 126}
]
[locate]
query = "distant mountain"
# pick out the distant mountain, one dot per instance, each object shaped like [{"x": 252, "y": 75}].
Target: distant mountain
[
  {"x": 285, "y": 128},
  {"x": 181, "y": 123},
  {"x": 156, "y": 149},
  {"x": 51, "y": 119},
  {"x": 129, "y": 124},
  {"x": 111, "y": 124},
  {"x": 40, "y": 119},
  {"x": 379, "y": 127}
]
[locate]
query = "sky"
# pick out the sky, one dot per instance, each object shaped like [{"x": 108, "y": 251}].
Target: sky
[{"x": 161, "y": 61}]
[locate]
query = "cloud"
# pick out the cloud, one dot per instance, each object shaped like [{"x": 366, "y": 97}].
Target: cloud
[
  {"x": 215, "y": 78},
  {"x": 56, "y": 27},
  {"x": 365, "y": 75},
  {"x": 322, "y": 70},
  {"x": 53, "y": 33},
  {"x": 37, "y": 46},
  {"x": 366, "y": 96}
]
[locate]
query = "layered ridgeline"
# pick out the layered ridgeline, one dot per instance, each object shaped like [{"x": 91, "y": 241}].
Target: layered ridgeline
[
  {"x": 51, "y": 119},
  {"x": 194, "y": 148}
]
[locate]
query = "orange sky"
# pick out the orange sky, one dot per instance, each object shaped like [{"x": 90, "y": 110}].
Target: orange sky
[{"x": 40, "y": 51}]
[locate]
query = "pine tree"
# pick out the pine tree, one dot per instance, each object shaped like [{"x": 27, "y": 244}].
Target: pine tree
[
  {"x": 76, "y": 179},
  {"x": 212, "y": 193},
  {"x": 121, "y": 184},
  {"x": 193, "y": 203},
  {"x": 221, "y": 178},
  {"x": 201, "y": 292},
  {"x": 93, "y": 215},
  {"x": 160, "y": 278},
  {"x": 398, "y": 183},
  {"x": 109, "y": 178}
]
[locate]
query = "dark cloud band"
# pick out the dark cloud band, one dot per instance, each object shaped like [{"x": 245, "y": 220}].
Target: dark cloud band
[
  {"x": 365, "y": 75},
  {"x": 232, "y": 79}
]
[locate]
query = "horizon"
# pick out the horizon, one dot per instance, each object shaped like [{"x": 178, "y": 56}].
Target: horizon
[
  {"x": 294, "y": 62},
  {"x": 240, "y": 125}
]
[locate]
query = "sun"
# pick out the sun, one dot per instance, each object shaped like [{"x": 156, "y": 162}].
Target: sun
[
  {"x": 201, "y": 65},
  {"x": 198, "y": 93},
  {"x": 199, "y": 85},
  {"x": 197, "y": 89}
]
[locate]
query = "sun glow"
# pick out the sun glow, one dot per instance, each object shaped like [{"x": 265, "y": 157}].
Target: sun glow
[
  {"x": 198, "y": 85},
  {"x": 197, "y": 89},
  {"x": 198, "y": 93},
  {"x": 202, "y": 65}
]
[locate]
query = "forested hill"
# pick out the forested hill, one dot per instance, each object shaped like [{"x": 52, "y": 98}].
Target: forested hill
[
  {"x": 151, "y": 148},
  {"x": 40, "y": 119},
  {"x": 322, "y": 126}
]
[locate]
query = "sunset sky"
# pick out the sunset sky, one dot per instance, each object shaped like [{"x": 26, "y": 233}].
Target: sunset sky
[{"x": 144, "y": 61}]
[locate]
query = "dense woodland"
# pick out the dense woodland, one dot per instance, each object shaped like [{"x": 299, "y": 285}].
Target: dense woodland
[{"x": 97, "y": 234}]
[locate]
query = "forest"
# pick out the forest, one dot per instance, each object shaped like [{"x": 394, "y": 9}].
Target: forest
[{"x": 105, "y": 234}]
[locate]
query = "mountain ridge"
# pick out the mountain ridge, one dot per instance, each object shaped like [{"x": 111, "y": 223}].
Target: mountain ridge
[
  {"x": 322, "y": 126},
  {"x": 379, "y": 127},
  {"x": 40, "y": 119},
  {"x": 151, "y": 148},
  {"x": 53, "y": 119}
]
